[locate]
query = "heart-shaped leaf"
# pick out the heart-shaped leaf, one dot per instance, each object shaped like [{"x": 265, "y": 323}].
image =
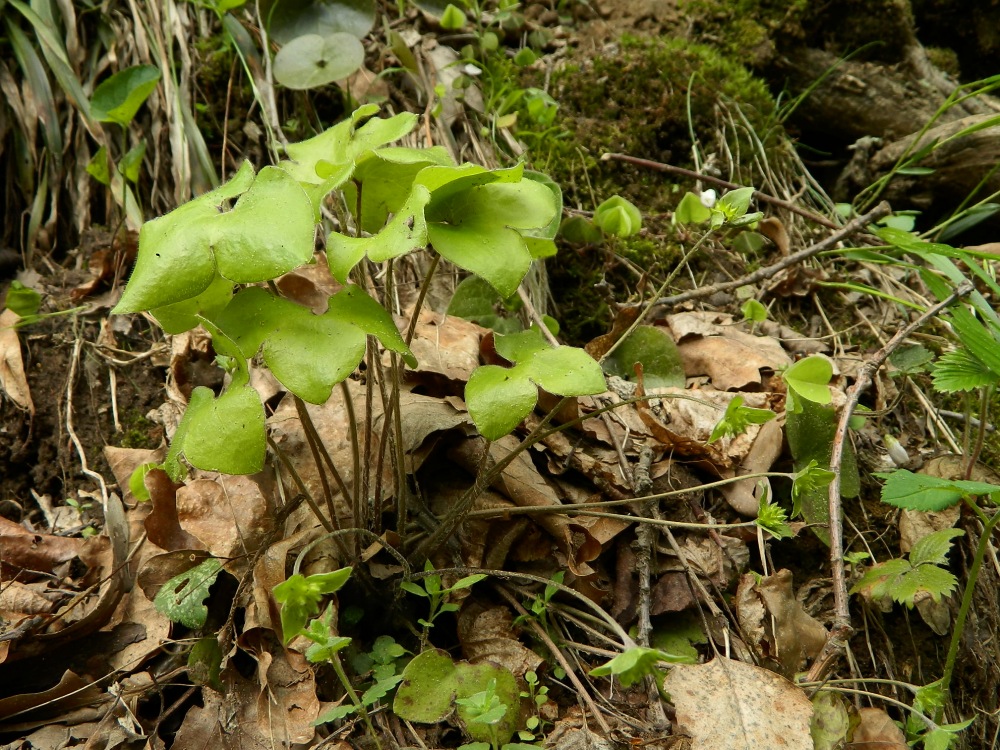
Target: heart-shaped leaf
[
  {"x": 268, "y": 232},
  {"x": 809, "y": 378},
  {"x": 499, "y": 398},
  {"x": 119, "y": 97}
]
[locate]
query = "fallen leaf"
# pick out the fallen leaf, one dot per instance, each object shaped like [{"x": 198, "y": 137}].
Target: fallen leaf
[
  {"x": 13, "y": 380},
  {"x": 728, "y": 705},
  {"x": 877, "y": 732}
]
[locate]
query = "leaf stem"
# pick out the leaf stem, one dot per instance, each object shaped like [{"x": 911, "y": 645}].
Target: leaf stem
[{"x": 989, "y": 523}]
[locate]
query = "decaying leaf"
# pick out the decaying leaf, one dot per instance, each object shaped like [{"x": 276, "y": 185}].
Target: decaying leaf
[{"x": 728, "y": 705}]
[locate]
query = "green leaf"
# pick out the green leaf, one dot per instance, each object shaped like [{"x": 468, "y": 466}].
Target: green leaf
[
  {"x": 205, "y": 663},
  {"x": 931, "y": 579},
  {"x": 131, "y": 163},
  {"x": 580, "y": 231},
  {"x": 453, "y": 18},
  {"x": 499, "y": 398},
  {"x": 137, "y": 482},
  {"x": 934, "y": 547},
  {"x": 267, "y": 233},
  {"x": 691, "y": 210},
  {"x": 181, "y": 598},
  {"x": 772, "y": 517},
  {"x": 23, "y": 300},
  {"x": 474, "y": 217},
  {"x": 119, "y": 97},
  {"x": 387, "y": 177},
  {"x": 288, "y": 19},
  {"x": 754, "y": 311},
  {"x": 224, "y": 433},
  {"x": 911, "y": 359},
  {"x": 618, "y": 217},
  {"x": 735, "y": 203},
  {"x": 308, "y": 353},
  {"x": 325, "y": 645},
  {"x": 312, "y": 60},
  {"x": 632, "y": 665},
  {"x": 737, "y": 418},
  {"x": 187, "y": 314},
  {"x": 405, "y": 233},
  {"x": 904, "y": 489},
  {"x": 809, "y": 378},
  {"x": 656, "y": 351},
  {"x": 336, "y": 714},
  {"x": 98, "y": 168},
  {"x": 300, "y": 598},
  {"x": 961, "y": 371},
  {"x": 477, "y": 301}
]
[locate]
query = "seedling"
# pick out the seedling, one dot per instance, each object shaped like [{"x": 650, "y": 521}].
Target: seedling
[
  {"x": 538, "y": 695},
  {"x": 437, "y": 596}
]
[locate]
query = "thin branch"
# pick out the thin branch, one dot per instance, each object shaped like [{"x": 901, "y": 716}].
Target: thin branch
[
  {"x": 842, "y": 629},
  {"x": 764, "y": 197},
  {"x": 851, "y": 227}
]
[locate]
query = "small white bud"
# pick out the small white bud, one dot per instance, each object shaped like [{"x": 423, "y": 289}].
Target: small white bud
[
  {"x": 708, "y": 198},
  {"x": 896, "y": 450}
]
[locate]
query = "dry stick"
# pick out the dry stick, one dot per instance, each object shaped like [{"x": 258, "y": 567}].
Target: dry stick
[
  {"x": 661, "y": 167},
  {"x": 854, "y": 225},
  {"x": 645, "y": 537},
  {"x": 841, "y": 631}
]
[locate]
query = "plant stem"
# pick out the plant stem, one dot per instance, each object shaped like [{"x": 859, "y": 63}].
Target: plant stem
[
  {"x": 984, "y": 412},
  {"x": 970, "y": 586},
  {"x": 342, "y": 675}
]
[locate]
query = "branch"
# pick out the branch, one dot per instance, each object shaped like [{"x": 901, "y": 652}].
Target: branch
[{"x": 841, "y": 631}]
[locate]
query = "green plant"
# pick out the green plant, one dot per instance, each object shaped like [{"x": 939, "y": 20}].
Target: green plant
[
  {"x": 537, "y": 695},
  {"x": 198, "y": 264},
  {"x": 437, "y": 595},
  {"x": 902, "y": 579}
]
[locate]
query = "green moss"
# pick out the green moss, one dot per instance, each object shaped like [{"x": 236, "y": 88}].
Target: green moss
[{"x": 139, "y": 432}]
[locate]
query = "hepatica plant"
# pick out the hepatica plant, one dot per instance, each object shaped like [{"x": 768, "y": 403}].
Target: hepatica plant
[{"x": 209, "y": 262}]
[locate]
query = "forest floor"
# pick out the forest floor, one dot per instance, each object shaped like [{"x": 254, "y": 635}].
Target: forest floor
[{"x": 739, "y": 627}]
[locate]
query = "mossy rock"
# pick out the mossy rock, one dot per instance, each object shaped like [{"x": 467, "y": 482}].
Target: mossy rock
[{"x": 637, "y": 100}]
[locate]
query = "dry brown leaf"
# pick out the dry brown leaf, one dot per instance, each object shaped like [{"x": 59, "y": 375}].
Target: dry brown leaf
[
  {"x": 26, "y": 555},
  {"x": 796, "y": 633},
  {"x": 728, "y": 705},
  {"x": 732, "y": 361},
  {"x": 13, "y": 380},
  {"x": 744, "y": 496},
  {"x": 124, "y": 461},
  {"x": 774, "y": 230},
  {"x": 877, "y": 732},
  {"x": 486, "y": 634},
  {"x": 446, "y": 345},
  {"x": 311, "y": 285},
  {"x": 162, "y": 524}
]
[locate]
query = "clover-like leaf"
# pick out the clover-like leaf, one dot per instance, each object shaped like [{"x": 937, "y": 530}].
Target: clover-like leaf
[
  {"x": 406, "y": 232},
  {"x": 300, "y": 597},
  {"x": 268, "y": 232},
  {"x": 181, "y": 598},
  {"x": 632, "y": 665},
  {"x": 655, "y": 350},
  {"x": 224, "y": 433},
  {"x": 737, "y": 418},
  {"x": 308, "y": 353},
  {"x": 809, "y": 377},
  {"x": 474, "y": 217},
  {"x": 499, "y": 398}
]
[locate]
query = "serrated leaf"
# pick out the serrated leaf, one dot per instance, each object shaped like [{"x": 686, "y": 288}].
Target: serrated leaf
[
  {"x": 935, "y": 581},
  {"x": 268, "y": 232},
  {"x": 961, "y": 371},
  {"x": 934, "y": 547},
  {"x": 879, "y": 579},
  {"x": 181, "y": 598},
  {"x": 904, "y": 489}
]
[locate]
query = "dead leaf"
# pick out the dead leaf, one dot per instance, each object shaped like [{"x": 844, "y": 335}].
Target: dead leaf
[
  {"x": 486, "y": 634},
  {"x": 162, "y": 524},
  {"x": 13, "y": 380},
  {"x": 744, "y": 496},
  {"x": 774, "y": 230},
  {"x": 446, "y": 345},
  {"x": 877, "y": 732},
  {"x": 796, "y": 633},
  {"x": 728, "y": 705},
  {"x": 27, "y": 555}
]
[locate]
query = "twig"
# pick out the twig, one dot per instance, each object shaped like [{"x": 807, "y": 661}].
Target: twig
[
  {"x": 855, "y": 224},
  {"x": 661, "y": 167},
  {"x": 842, "y": 629}
]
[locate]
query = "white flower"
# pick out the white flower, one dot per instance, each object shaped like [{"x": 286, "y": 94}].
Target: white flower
[{"x": 707, "y": 198}]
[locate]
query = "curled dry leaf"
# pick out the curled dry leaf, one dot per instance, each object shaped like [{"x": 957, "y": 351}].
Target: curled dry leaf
[
  {"x": 13, "y": 380},
  {"x": 486, "y": 634},
  {"x": 744, "y": 496},
  {"x": 877, "y": 732}
]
